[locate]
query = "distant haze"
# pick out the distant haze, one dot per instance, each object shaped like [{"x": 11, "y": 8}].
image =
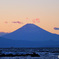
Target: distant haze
[{"x": 3, "y": 33}]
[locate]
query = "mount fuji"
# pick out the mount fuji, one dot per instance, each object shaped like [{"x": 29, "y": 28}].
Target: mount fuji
[{"x": 31, "y": 35}]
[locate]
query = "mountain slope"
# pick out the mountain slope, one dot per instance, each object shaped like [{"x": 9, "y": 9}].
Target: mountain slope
[
  {"x": 31, "y": 32},
  {"x": 30, "y": 35},
  {"x": 5, "y": 43}
]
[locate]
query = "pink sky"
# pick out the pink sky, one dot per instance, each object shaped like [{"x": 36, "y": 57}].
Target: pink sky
[{"x": 16, "y": 13}]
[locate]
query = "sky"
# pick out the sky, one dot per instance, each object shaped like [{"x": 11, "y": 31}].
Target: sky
[{"x": 16, "y": 13}]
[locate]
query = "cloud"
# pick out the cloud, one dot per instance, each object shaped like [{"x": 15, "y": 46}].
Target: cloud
[
  {"x": 27, "y": 18},
  {"x": 37, "y": 20},
  {"x": 17, "y": 22},
  {"x": 56, "y": 28},
  {"x": 33, "y": 21},
  {"x": 6, "y": 22}
]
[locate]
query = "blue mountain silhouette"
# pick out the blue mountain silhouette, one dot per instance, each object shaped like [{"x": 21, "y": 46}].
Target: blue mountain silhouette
[{"x": 30, "y": 35}]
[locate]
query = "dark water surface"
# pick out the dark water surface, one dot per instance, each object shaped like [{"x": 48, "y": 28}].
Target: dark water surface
[{"x": 44, "y": 53}]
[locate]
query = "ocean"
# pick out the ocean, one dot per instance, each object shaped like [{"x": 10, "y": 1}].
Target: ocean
[{"x": 29, "y": 53}]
